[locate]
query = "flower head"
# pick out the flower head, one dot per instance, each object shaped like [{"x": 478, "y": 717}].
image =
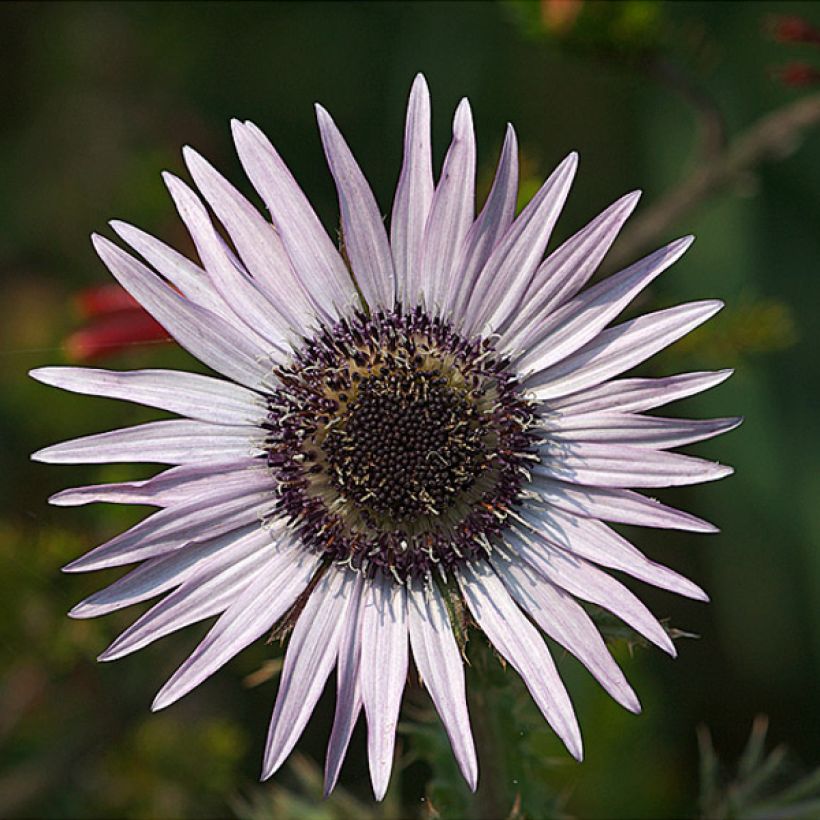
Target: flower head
[{"x": 442, "y": 419}]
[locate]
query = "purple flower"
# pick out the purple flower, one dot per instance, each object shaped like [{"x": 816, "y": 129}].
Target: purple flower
[{"x": 440, "y": 418}]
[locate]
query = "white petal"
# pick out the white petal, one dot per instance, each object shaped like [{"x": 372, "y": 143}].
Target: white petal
[
  {"x": 594, "y": 541},
  {"x": 348, "y": 690},
  {"x": 554, "y": 337},
  {"x": 566, "y": 270},
  {"x": 584, "y": 581},
  {"x": 363, "y": 232},
  {"x": 158, "y": 575},
  {"x": 635, "y": 430},
  {"x": 414, "y": 192},
  {"x": 261, "y": 604},
  {"x": 517, "y": 640},
  {"x": 439, "y": 663},
  {"x": 620, "y": 506},
  {"x": 188, "y": 394},
  {"x": 620, "y": 348},
  {"x": 313, "y": 256},
  {"x": 511, "y": 266},
  {"x": 257, "y": 243},
  {"x": 174, "y": 527},
  {"x": 451, "y": 214},
  {"x": 622, "y": 465},
  {"x": 209, "y": 590},
  {"x": 637, "y": 395},
  {"x": 162, "y": 442},
  {"x": 485, "y": 233},
  {"x": 175, "y": 486},
  {"x": 222, "y": 346},
  {"x": 310, "y": 656},
  {"x": 383, "y": 673},
  {"x": 566, "y": 622}
]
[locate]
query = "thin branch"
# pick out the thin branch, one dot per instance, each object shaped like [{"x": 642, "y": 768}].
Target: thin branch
[{"x": 772, "y": 137}]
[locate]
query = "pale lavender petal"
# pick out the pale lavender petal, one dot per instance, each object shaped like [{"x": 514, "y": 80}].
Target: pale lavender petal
[
  {"x": 212, "y": 588},
  {"x": 158, "y": 575},
  {"x": 635, "y": 430},
  {"x": 517, "y": 640},
  {"x": 637, "y": 395},
  {"x": 383, "y": 672},
  {"x": 175, "y": 486},
  {"x": 311, "y": 655},
  {"x": 257, "y": 243},
  {"x": 188, "y": 394},
  {"x": 594, "y": 541},
  {"x": 554, "y": 337},
  {"x": 414, "y": 192},
  {"x": 238, "y": 290},
  {"x": 206, "y": 335},
  {"x": 566, "y": 622},
  {"x": 566, "y": 270},
  {"x": 451, "y": 214},
  {"x": 177, "y": 441},
  {"x": 363, "y": 232},
  {"x": 510, "y": 268},
  {"x": 348, "y": 690},
  {"x": 186, "y": 276},
  {"x": 616, "y": 465},
  {"x": 620, "y": 348},
  {"x": 485, "y": 233},
  {"x": 174, "y": 527},
  {"x": 259, "y": 606},
  {"x": 587, "y": 582},
  {"x": 439, "y": 663},
  {"x": 312, "y": 254},
  {"x": 611, "y": 504}
]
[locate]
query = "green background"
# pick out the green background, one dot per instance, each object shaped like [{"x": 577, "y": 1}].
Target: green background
[{"x": 97, "y": 99}]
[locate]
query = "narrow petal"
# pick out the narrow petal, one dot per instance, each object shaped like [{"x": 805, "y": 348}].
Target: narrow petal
[
  {"x": 485, "y": 233},
  {"x": 636, "y": 430},
  {"x": 174, "y": 527},
  {"x": 616, "y": 465},
  {"x": 511, "y": 266},
  {"x": 439, "y": 663},
  {"x": 414, "y": 192},
  {"x": 158, "y": 575},
  {"x": 637, "y": 395},
  {"x": 451, "y": 214},
  {"x": 383, "y": 673},
  {"x": 594, "y": 541},
  {"x": 587, "y": 582},
  {"x": 518, "y": 641},
  {"x": 206, "y": 335},
  {"x": 162, "y": 442},
  {"x": 188, "y": 394},
  {"x": 566, "y": 622},
  {"x": 311, "y": 655},
  {"x": 208, "y": 591},
  {"x": 348, "y": 689},
  {"x": 617, "y": 505},
  {"x": 566, "y": 270},
  {"x": 363, "y": 232},
  {"x": 178, "y": 485},
  {"x": 556, "y": 336},
  {"x": 312, "y": 254},
  {"x": 261, "y": 604},
  {"x": 257, "y": 243},
  {"x": 234, "y": 285},
  {"x": 620, "y": 348}
]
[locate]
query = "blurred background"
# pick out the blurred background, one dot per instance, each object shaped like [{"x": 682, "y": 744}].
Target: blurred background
[{"x": 711, "y": 108}]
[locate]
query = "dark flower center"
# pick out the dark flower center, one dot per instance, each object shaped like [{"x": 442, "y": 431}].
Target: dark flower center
[{"x": 398, "y": 445}]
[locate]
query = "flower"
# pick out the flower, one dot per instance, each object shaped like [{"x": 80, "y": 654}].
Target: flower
[{"x": 451, "y": 428}]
